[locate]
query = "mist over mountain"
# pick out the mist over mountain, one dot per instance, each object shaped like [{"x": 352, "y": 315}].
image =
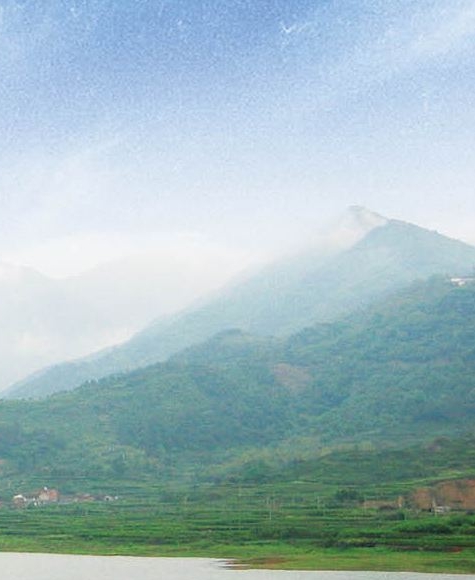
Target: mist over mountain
[
  {"x": 47, "y": 320},
  {"x": 365, "y": 258},
  {"x": 38, "y": 320}
]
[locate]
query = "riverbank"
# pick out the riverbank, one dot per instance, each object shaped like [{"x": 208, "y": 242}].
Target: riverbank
[
  {"x": 56, "y": 567},
  {"x": 276, "y": 556},
  {"x": 368, "y": 560},
  {"x": 285, "y": 526}
]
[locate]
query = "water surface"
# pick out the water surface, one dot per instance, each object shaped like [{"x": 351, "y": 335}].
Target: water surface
[{"x": 63, "y": 567}]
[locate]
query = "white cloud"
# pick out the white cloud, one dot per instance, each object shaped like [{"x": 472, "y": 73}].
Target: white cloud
[
  {"x": 296, "y": 28},
  {"x": 416, "y": 39},
  {"x": 447, "y": 30},
  {"x": 45, "y": 196},
  {"x": 394, "y": 43},
  {"x": 69, "y": 255}
]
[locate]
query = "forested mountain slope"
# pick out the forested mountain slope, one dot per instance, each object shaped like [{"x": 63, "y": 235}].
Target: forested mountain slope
[{"x": 399, "y": 371}]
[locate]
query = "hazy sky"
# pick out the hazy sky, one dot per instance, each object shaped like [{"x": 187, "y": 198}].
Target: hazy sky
[{"x": 235, "y": 124}]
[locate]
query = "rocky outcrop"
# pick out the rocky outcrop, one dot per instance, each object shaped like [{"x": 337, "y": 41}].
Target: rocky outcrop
[{"x": 454, "y": 494}]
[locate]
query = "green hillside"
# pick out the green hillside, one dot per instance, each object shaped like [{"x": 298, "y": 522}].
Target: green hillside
[
  {"x": 403, "y": 366},
  {"x": 279, "y": 301},
  {"x": 397, "y": 372}
]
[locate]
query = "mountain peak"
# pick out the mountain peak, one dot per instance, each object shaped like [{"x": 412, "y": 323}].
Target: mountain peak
[
  {"x": 364, "y": 217},
  {"x": 354, "y": 225}
]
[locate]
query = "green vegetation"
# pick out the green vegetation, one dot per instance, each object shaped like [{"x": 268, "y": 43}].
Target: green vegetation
[
  {"x": 330, "y": 539},
  {"x": 318, "y": 286},
  {"x": 315, "y": 514},
  {"x": 288, "y": 452},
  {"x": 397, "y": 373}
]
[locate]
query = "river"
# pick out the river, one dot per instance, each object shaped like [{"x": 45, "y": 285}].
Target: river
[{"x": 63, "y": 567}]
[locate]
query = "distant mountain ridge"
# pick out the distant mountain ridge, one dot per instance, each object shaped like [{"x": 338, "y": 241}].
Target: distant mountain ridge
[
  {"x": 315, "y": 286},
  {"x": 46, "y": 320}
]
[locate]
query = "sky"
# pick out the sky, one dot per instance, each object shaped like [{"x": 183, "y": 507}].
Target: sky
[{"x": 235, "y": 127}]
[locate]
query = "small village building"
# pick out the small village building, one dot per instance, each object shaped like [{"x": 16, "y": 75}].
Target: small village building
[
  {"x": 441, "y": 509},
  {"x": 47, "y": 495},
  {"x": 19, "y": 500},
  {"x": 42, "y": 497},
  {"x": 462, "y": 281}
]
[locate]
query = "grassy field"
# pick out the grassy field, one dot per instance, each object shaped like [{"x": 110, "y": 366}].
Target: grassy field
[{"x": 292, "y": 525}]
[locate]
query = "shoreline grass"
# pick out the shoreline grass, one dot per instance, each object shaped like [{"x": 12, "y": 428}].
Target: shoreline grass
[
  {"x": 294, "y": 525},
  {"x": 272, "y": 556}
]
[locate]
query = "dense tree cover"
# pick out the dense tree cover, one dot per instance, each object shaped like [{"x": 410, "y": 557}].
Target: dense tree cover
[
  {"x": 400, "y": 370},
  {"x": 404, "y": 364},
  {"x": 384, "y": 471}
]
